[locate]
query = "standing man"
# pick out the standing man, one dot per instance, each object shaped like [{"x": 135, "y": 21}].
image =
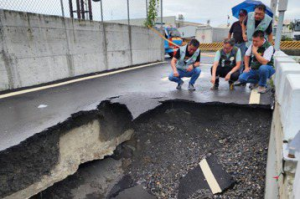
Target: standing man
[
  {"x": 186, "y": 63},
  {"x": 257, "y": 20},
  {"x": 261, "y": 67},
  {"x": 237, "y": 33},
  {"x": 226, "y": 64}
]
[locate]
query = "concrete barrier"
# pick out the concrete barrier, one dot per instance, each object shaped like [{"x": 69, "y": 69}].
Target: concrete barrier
[
  {"x": 290, "y": 107},
  {"x": 285, "y": 126},
  {"x": 283, "y": 69},
  {"x": 37, "y": 49},
  {"x": 284, "y": 60}
]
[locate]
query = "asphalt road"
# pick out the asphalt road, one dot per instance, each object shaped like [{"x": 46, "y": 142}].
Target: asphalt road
[{"x": 24, "y": 115}]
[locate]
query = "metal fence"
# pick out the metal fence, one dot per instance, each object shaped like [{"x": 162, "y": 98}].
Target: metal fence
[{"x": 120, "y": 11}]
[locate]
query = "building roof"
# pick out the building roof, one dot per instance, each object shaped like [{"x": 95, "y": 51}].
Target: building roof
[
  {"x": 285, "y": 22},
  {"x": 188, "y": 23}
]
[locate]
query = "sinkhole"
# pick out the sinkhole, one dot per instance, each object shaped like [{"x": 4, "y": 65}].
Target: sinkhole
[{"x": 167, "y": 145}]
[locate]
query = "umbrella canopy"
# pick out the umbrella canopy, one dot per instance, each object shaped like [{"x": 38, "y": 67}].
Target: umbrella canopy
[{"x": 249, "y": 6}]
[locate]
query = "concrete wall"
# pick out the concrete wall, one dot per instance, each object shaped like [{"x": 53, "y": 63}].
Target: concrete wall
[
  {"x": 188, "y": 31},
  {"x": 285, "y": 126},
  {"x": 204, "y": 35},
  {"x": 37, "y": 49},
  {"x": 210, "y": 34}
]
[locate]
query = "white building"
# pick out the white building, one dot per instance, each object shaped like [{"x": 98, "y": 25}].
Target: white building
[
  {"x": 189, "y": 31},
  {"x": 208, "y": 34},
  {"x": 286, "y": 31},
  {"x": 169, "y": 21}
]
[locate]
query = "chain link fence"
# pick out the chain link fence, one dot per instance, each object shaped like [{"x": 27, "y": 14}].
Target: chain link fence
[
  {"x": 133, "y": 12},
  {"x": 48, "y": 7}
]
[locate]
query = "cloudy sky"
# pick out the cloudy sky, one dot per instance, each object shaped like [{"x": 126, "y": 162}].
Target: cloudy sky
[
  {"x": 193, "y": 10},
  {"x": 216, "y": 10}
]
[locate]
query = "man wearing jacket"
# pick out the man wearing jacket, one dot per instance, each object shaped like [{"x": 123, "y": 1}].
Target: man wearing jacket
[
  {"x": 186, "y": 63},
  {"x": 261, "y": 67}
]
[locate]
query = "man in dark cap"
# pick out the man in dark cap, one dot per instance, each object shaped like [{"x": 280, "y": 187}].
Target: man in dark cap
[{"x": 237, "y": 33}]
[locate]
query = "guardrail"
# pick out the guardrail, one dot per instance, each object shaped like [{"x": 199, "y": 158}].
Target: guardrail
[
  {"x": 283, "y": 153},
  {"x": 285, "y": 45}
]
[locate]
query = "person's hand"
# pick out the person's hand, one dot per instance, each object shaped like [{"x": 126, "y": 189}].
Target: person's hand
[
  {"x": 227, "y": 77},
  {"x": 247, "y": 69},
  {"x": 245, "y": 37},
  {"x": 213, "y": 80},
  {"x": 254, "y": 49},
  {"x": 190, "y": 68},
  {"x": 176, "y": 74}
]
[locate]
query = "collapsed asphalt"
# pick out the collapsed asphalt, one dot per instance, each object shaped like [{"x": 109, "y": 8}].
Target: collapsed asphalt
[
  {"x": 141, "y": 92},
  {"x": 169, "y": 143},
  {"x": 21, "y": 118}
]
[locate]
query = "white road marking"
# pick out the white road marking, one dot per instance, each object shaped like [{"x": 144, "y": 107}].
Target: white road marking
[
  {"x": 254, "y": 97},
  {"x": 42, "y": 106},
  {"x": 165, "y": 79},
  {"x": 74, "y": 81},
  {"x": 209, "y": 176}
]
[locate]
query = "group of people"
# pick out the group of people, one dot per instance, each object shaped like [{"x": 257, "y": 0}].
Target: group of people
[{"x": 246, "y": 56}]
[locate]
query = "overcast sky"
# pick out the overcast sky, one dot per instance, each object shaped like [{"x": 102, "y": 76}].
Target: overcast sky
[
  {"x": 216, "y": 10},
  {"x": 193, "y": 10}
]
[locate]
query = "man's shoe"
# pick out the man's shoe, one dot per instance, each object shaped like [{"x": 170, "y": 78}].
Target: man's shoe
[
  {"x": 231, "y": 87},
  {"x": 253, "y": 86},
  {"x": 191, "y": 87},
  {"x": 214, "y": 87},
  {"x": 179, "y": 85},
  {"x": 239, "y": 84},
  {"x": 262, "y": 89}
]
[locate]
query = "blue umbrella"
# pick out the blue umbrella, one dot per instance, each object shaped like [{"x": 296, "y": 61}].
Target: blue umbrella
[{"x": 249, "y": 6}]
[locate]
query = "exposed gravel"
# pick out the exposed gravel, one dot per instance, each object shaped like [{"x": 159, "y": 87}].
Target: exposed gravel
[
  {"x": 169, "y": 142},
  {"x": 172, "y": 140}
]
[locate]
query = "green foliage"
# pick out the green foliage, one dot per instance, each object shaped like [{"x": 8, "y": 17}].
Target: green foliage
[
  {"x": 286, "y": 38},
  {"x": 292, "y": 26},
  {"x": 152, "y": 13}
]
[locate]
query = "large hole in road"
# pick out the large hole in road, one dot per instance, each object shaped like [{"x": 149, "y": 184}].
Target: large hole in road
[{"x": 168, "y": 143}]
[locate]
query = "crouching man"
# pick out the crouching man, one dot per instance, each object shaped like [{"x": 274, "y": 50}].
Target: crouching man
[
  {"x": 227, "y": 63},
  {"x": 261, "y": 67},
  {"x": 186, "y": 63}
]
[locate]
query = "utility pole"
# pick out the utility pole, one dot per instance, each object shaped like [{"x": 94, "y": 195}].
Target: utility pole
[
  {"x": 161, "y": 14},
  {"x": 281, "y": 9},
  {"x": 128, "y": 16},
  {"x": 146, "y": 9},
  {"x": 62, "y": 8},
  {"x": 101, "y": 10},
  {"x": 273, "y": 6}
]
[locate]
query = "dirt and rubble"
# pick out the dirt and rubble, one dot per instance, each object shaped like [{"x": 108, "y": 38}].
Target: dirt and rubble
[{"x": 169, "y": 142}]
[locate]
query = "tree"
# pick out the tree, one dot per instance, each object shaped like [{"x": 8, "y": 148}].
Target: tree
[{"x": 152, "y": 13}]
